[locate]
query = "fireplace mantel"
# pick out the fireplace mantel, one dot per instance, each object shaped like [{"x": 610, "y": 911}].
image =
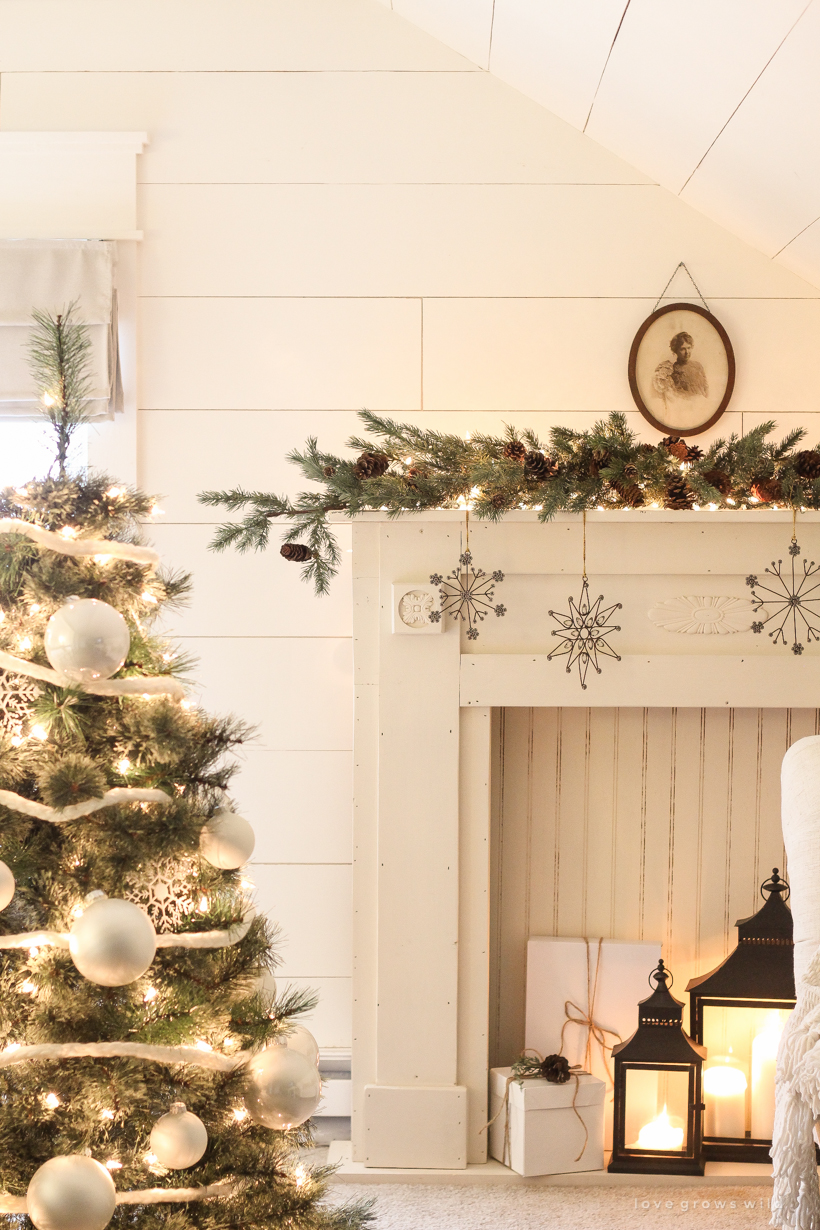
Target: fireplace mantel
[{"x": 422, "y": 763}]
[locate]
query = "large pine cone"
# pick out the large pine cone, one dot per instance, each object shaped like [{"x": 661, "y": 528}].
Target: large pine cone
[
  {"x": 371, "y": 465},
  {"x": 515, "y": 450},
  {"x": 556, "y": 1069},
  {"x": 630, "y": 493},
  {"x": 676, "y": 446},
  {"x": 767, "y": 490},
  {"x": 538, "y": 468},
  {"x": 720, "y": 480},
  {"x": 296, "y": 552},
  {"x": 679, "y": 495},
  {"x": 693, "y": 453},
  {"x": 807, "y": 463}
]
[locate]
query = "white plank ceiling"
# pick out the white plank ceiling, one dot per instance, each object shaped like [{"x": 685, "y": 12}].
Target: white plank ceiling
[{"x": 717, "y": 100}]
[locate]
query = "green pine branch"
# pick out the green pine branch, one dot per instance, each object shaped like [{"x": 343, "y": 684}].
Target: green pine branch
[{"x": 60, "y": 362}]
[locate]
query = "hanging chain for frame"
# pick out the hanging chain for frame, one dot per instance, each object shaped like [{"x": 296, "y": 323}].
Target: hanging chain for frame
[
  {"x": 681, "y": 265},
  {"x": 584, "y": 628},
  {"x": 790, "y": 600},
  {"x": 467, "y": 592}
]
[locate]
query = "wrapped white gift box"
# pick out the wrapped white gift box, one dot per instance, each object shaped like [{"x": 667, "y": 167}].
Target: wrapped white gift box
[
  {"x": 546, "y": 1135},
  {"x": 557, "y": 974}
]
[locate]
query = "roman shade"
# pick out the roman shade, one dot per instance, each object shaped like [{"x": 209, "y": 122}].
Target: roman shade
[{"x": 48, "y": 275}]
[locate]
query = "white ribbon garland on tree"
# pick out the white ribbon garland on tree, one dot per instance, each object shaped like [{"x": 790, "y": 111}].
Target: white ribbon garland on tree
[
  {"x": 134, "y": 685},
  {"x": 78, "y": 546},
  {"x": 124, "y": 1050},
  {"x": 149, "y": 1195},
  {"x": 75, "y": 811},
  {"x": 187, "y": 939}
]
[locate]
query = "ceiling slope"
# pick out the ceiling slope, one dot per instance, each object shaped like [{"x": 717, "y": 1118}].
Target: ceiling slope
[{"x": 718, "y": 102}]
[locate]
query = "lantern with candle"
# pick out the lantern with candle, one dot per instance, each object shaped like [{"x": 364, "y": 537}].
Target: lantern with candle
[
  {"x": 657, "y": 1119},
  {"x": 738, "y": 1012}
]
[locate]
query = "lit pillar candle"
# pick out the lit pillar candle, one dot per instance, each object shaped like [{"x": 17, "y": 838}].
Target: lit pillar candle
[
  {"x": 764, "y": 1061},
  {"x": 724, "y": 1086},
  {"x": 661, "y": 1133}
]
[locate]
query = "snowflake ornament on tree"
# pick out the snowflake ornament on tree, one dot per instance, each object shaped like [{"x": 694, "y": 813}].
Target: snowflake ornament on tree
[
  {"x": 583, "y": 631},
  {"x": 169, "y": 896},
  {"x": 17, "y": 695},
  {"x": 467, "y": 593},
  {"x": 792, "y": 600}
]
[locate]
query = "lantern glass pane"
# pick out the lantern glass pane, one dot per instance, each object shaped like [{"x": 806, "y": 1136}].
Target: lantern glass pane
[
  {"x": 657, "y": 1109},
  {"x": 738, "y": 1076}
]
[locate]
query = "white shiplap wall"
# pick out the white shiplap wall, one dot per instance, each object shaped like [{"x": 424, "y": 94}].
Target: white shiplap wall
[
  {"x": 631, "y": 824},
  {"x": 340, "y": 211}
]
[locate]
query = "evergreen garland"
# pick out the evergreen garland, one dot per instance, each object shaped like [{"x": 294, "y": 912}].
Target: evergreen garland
[{"x": 407, "y": 469}]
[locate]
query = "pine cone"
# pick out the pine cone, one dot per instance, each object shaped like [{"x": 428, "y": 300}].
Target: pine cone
[
  {"x": 693, "y": 453},
  {"x": 767, "y": 490},
  {"x": 630, "y": 471},
  {"x": 647, "y": 449},
  {"x": 807, "y": 463},
  {"x": 630, "y": 493},
  {"x": 515, "y": 450},
  {"x": 500, "y": 500},
  {"x": 556, "y": 1069},
  {"x": 328, "y": 471},
  {"x": 538, "y": 468},
  {"x": 296, "y": 552},
  {"x": 676, "y": 446},
  {"x": 413, "y": 473},
  {"x": 599, "y": 460},
  {"x": 679, "y": 495},
  {"x": 371, "y": 465},
  {"x": 720, "y": 480}
]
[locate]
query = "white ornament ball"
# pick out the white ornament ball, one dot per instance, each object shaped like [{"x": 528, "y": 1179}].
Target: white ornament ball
[
  {"x": 7, "y": 885},
  {"x": 226, "y": 841},
  {"x": 113, "y": 942},
  {"x": 302, "y": 1040},
  {"x": 71, "y": 1193},
  {"x": 284, "y": 1088},
  {"x": 87, "y": 640},
  {"x": 179, "y": 1139}
]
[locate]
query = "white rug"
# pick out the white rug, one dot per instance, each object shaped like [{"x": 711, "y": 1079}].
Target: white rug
[{"x": 504, "y": 1207}]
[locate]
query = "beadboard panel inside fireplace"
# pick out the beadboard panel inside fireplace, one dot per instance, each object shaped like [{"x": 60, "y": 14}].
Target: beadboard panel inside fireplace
[{"x": 632, "y": 824}]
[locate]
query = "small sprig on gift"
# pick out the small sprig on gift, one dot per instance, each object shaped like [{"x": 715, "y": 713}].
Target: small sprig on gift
[{"x": 555, "y": 1068}]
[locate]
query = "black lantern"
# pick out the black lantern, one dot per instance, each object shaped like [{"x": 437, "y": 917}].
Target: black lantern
[
  {"x": 657, "y": 1122},
  {"x": 738, "y": 1012}
]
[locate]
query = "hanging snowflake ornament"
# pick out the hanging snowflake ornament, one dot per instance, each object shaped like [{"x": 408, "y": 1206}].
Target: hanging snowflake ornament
[
  {"x": 17, "y": 695},
  {"x": 467, "y": 593},
  {"x": 583, "y": 632},
  {"x": 168, "y": 895},
  {"x": 791, "y": 600}
]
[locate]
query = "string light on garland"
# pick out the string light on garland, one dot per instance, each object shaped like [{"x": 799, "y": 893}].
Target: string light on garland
[
  {"x": 584, "y": 628},
  {"x": 468, "y": 593},
  {"x": 794, "y": 599}
]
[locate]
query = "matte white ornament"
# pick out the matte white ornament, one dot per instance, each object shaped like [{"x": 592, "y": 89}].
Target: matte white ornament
[
  {"x": 7, "y": 885},
  {"x": 708, "y": 613},
  {"x": 283, "y": 1089},
  {"x": 113, "y": 942},
  {"x": 302, "y": 1040},
  {"x": 227, "y": 840},
  {"x": 87, "y": 640},
  {"x": 71, "y": 1193},
  {"x": 179, "y": 1139}
]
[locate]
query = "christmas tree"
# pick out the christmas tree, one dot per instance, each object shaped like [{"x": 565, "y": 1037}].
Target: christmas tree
[{"x": 149, "y": 1072}]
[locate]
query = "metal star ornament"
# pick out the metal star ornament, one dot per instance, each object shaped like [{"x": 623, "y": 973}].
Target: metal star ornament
[
  {"x": 468, "y": 594},
  {"x": 794, "y": 601},
  {"x": 583, "y": 632}
]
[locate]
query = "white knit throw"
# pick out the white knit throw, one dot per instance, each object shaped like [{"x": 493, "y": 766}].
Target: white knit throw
[{"x": 796, "y": 1195}]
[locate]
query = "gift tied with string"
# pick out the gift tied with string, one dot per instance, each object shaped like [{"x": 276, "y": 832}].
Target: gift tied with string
[{"x": 556, "y": 1068}]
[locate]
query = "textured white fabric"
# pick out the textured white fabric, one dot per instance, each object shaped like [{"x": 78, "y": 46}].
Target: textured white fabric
[
  {"x": 796, "y": 1195},
  {"x": 48, "y": 274}
]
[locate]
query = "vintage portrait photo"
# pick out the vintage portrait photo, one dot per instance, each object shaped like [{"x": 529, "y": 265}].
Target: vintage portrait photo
[{"x": 681, "y": 369}]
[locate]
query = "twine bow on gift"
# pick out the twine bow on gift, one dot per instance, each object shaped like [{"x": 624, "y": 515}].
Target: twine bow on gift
[{"x": 595, "y": 1032}]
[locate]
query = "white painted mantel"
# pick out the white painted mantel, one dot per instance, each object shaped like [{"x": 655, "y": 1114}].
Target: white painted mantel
[{"x": 422, "y": 765}]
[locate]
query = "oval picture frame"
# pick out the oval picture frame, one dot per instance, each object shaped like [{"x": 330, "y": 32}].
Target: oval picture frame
[{"x": 681, "y": 369}]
